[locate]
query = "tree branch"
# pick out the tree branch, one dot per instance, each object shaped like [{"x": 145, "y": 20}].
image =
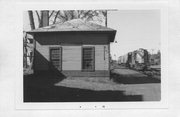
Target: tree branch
[
  {"x": 39, "y": 19},
  {"x": 31, "y": 19},
  {"x": 51, "y": 14},
  {"x": 55, "y": 17}
]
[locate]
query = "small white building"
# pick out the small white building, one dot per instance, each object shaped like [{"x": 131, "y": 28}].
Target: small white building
[{"x": 73, "y": 48}]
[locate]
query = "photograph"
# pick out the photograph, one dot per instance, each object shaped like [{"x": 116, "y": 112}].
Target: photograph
[{"x": 96, "y": 55}]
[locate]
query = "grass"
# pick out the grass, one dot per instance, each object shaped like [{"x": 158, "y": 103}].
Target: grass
[
  {"x": 45, "y": 89},
  {"x": 124, "y": 85}
]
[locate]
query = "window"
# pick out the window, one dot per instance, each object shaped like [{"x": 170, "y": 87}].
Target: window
[
  {"x": 55, "y": 57},
  {"x": 30, "y": 40},
  {"x": 88, "y": 59}
]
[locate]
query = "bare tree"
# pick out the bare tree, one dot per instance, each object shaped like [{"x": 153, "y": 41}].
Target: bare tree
[
  {"x": 31, "y": 19},
  {"x": 43, "y": 18},
  {"x": 46, "y": 17},
  {"x": 86, "y": 15}
]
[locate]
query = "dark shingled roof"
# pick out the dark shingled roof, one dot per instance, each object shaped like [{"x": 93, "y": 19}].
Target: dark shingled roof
[{"x": 73, "y": 25}]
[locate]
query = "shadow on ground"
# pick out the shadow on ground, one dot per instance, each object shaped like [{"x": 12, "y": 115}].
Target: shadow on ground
[
  {"x": 40, "y": 88},
  {"x": 132, "y": 79}
]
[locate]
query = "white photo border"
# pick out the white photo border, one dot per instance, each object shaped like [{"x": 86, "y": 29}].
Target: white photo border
[{"x": 162, "y": 6}]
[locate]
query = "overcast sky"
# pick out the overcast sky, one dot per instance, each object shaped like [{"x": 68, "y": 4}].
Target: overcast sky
[{"x": 135, "y": 29}]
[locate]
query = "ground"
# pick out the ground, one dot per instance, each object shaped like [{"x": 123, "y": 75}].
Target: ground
[{"x": 123, "y": 85}]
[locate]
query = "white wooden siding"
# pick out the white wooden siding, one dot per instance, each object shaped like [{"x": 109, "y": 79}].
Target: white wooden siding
[
  {"x": 101, "y": 57},
  {"x": 43, "y": 50},
  {"x": 71, "y": 57}
]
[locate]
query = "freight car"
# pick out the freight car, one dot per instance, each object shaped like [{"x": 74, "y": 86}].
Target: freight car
[
  {"x": 122, "y": 60},
  {"x": 138, "y": 59}
]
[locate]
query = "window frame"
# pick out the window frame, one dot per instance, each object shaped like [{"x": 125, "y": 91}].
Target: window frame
[
  {"x": 60, "y": 58},
  {"x": 82, "y": 61}
]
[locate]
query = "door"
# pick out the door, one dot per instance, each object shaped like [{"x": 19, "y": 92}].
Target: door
[{"x": 56, "y": 58}]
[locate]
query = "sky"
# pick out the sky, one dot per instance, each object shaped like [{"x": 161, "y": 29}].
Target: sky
[
  {"x": 135, "y": 29},
  {"x": 26, "y": 22}
]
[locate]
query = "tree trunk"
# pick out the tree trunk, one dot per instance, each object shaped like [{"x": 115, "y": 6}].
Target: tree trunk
[
  {"x": 106, "y": 18},
  {"x": 55, "y": 17},
  {"x": 31, "y": 19},
  {"x": 44, "y": 18}
]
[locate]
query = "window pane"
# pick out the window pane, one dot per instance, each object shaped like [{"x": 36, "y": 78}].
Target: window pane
[
  {"x": 55, "y": 56},
  {"x": 88, "y": 64},
  {"x": 55, "y": 51},
  {"x": 87, "y": 53},
  {"x": 56, "y": 63}
]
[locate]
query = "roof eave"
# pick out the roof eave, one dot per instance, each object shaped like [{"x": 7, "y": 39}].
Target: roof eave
[
  {"x": 70, "y": 31},
  {"x": 112, "y": 32},
  {"x": 112, "y": 37}
]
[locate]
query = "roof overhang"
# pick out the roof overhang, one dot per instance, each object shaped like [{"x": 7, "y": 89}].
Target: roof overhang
[
  {"x": 76, "y": 26},
  {"x": 111, "y": 33}
]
